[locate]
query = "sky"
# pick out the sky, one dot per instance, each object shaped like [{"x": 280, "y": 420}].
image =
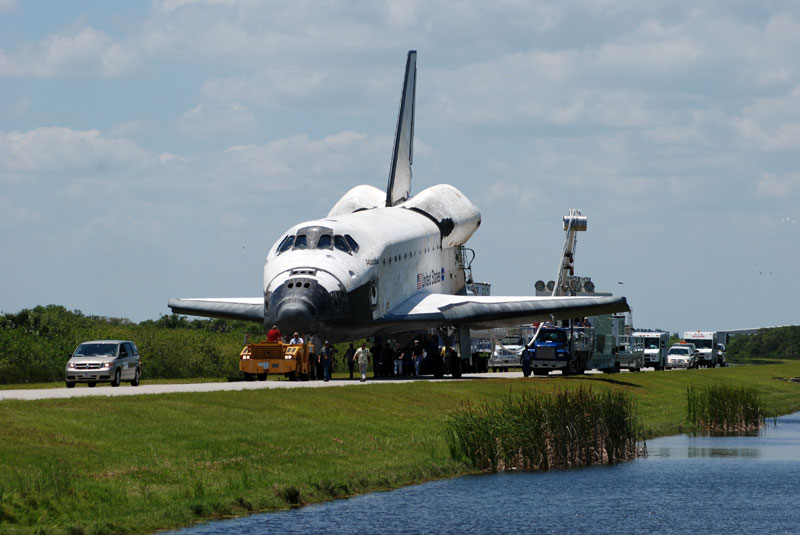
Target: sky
[{"x": 151, "y": 150}]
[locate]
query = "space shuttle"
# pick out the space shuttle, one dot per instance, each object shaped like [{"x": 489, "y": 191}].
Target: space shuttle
[{"x": 384, "y": 262}]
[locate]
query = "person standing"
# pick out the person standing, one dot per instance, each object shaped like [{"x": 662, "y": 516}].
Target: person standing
[
  {"x": 375, "y": 352},
  {"x": 526, "y": 361},
  {"x": 438, "y": 357},
  {"x": 362, "y": 356},
  {"x": 387, "y": 356},
  {"x": 317, "y": 343},
  {"x": 298, "y": 340},
  {"x": 432, "y": 358},
  {"x": 417, "y": 354},
  {"x": 325, "y": 359},
  {"x": 398, "y": 360},
  {"x": 350, "y": 357},
  {"x": 274, "y": 335}
]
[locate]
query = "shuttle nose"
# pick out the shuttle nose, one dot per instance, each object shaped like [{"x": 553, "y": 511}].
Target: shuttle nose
[
  {"x": 301, "y": 304},
  {"x": 296, "y": 316}
]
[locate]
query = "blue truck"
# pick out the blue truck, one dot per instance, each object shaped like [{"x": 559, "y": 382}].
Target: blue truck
[
  {"x": 561, "y": 348},
  {"x": 601, "y": 344}
]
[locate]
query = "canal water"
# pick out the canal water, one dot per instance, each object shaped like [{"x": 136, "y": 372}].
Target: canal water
[{"x": 687, "y": 484}]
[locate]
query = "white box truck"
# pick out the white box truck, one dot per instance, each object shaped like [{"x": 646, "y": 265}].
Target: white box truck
[
  {"x": 655, "y": 348},
  {"x": 706, "y": 344}
]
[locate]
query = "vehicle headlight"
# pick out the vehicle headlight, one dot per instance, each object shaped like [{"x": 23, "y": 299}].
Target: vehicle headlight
[
  {"x": 71, "y": 365},
  {"x": 107, "y": 364}
]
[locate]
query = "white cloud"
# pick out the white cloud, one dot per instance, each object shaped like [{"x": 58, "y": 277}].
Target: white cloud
[
  {"x": 95, "y": 188},
  {"x": 782, "y": 137},
  {"x": 402, "y": 13},
  {"x": 128, "y": 128},
  {"x": 267, "y": 87},
  {"x": 174, "y": 5},
  {"x": 13, "y": 214},
  {"x": 217, "y": 118},
  {"x": 77, "y": 52},
  {"x": 244, "y": 30},
  {"x": 507, "y": 191},
  {"x": 775, "y": 109},
  {"x": 650, "y": 57},
  {"x": 167, "y": 159},
  {"x": 58, "y": 149},
  {"x": 21, "y": 106},
  {"x": 299, "y": 161},
  {"x": 779, "y": 186},
  {"x": 609, "y": 108}
]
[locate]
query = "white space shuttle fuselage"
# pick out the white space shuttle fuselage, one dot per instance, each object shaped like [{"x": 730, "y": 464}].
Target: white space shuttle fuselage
[{"x": 400, "y": 251}]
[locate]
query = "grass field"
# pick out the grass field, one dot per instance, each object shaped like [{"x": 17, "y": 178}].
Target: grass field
[{"x": 142, "y": 463}]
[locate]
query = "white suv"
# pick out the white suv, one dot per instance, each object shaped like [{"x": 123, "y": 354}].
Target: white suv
[{"x": 100, "y": 361}]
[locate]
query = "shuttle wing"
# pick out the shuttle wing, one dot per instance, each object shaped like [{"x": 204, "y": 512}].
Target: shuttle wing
[
  {"x": 236, "y": 308},
  {"x": 483, "y": 312}
]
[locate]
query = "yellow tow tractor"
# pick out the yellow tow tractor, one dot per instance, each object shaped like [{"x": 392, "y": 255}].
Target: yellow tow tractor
[{"x": 258, "y": 360}]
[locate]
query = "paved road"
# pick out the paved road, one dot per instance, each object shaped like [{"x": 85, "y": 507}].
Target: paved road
[{"x": 127, "y": 390}]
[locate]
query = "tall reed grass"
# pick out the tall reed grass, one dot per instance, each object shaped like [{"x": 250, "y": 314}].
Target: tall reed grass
[
  {"x": 725, "y": 408},
  {"x": 565, "y": 429}
]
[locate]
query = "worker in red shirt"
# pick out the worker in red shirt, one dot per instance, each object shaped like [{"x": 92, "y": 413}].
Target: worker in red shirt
[{"x": 274, "y": 335}]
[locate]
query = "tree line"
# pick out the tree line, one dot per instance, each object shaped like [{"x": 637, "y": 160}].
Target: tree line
[
  {"x": 36, "y": 343},
  {"x": 772, "y": 343}
]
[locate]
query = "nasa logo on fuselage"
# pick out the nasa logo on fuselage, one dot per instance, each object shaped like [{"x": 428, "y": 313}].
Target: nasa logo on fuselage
[{"x": 428, "y": 279}]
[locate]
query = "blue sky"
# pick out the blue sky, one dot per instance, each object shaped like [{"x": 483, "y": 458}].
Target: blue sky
[{"x": 157, "y": 150}]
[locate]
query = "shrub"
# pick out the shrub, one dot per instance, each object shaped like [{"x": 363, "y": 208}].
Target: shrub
[
  {"x": 725, "y": 408},
  {"x": 569, "y": 428}
]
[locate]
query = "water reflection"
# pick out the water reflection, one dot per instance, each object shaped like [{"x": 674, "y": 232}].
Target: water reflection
[
  {"x": 723, "y": 452},
  {"x": 688, "y": 484},
  {"x": 777, "y": 441}
]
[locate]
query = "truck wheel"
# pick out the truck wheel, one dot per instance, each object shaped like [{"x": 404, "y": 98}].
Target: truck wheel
[
  {"x": 115, "y": 380},
  {"x": 292, "y": 376},
  {"x": 70, "y": 384},
  {"x": 541, "y": 371},
  {"x": 91, "y": 384},
  {"x": 262, "y": 376},
  {"x": 136, "y": 378}
]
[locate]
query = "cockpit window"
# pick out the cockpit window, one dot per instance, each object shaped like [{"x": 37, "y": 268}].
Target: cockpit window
[
  {"x": 324, "y": 242},
  {"x": 340, "y": 243},
  {"x": 351, "y": 242},
  {"x": 301, "y": 242},
  {"x": 286, "y": 244}
]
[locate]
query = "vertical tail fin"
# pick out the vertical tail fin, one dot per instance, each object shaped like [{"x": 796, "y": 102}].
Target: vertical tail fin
[{"x": 399, "y": 186}]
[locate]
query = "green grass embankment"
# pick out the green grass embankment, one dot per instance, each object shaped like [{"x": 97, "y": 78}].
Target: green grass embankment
[{"x": 142, "y": 463}]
